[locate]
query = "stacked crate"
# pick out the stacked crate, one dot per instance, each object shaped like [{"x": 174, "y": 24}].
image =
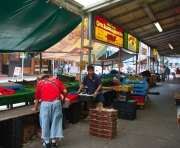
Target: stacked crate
[
  {"x": 11, "y": 133},
  {"x": 126, "y": 109},
  {"x": 103, "y": 123}
]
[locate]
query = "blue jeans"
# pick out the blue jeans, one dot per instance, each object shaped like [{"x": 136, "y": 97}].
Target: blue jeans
[
  {"x": 163, "y": 77},
  {"x": 51, "y": 119}
]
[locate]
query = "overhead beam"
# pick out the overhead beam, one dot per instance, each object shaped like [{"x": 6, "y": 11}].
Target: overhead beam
[
  {"x": 153, "y": 34},
  {"x": 143, "y": 25},
  {"x": 117, "y": 6},
  {"x": 98, "y": 5},
  {"x": 136, "y": 9},
  {"x": 71, "y": 6}
]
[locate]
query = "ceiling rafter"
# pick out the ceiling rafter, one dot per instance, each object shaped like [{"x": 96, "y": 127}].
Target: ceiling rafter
[
  {"x": 117, "y": 6},
  {"x": 136, "y": 9},
  {"x": 169, "y": 29},
  {"x": 152, "y": 22}
]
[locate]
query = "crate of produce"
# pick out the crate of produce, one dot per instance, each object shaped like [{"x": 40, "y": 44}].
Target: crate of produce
[
  {"x": 104, "y": 136},
  {"x": 123, "y": 96},
  {"x": 104, "y": 112},
  {"x": 103, "y": 123},
  {"x": 129, "y": 106},
  {"x": 139, "y": 99},
  {"x": 123, "y": 88},
  {"x": 127, "y": 115}
]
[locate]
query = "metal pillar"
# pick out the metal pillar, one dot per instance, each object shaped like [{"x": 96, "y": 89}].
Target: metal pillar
[
  {"x": 89, "y": 36},
  {"x": 22, "y": 65},
  {"x": 136, "y": 62},
  {"x": 120, "y": 54},
  {"x": 40, "y": 64},
  {"x": 82, "y": 45}
]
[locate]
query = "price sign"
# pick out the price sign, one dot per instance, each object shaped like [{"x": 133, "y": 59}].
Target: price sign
[{"x": 17, "y": 71}]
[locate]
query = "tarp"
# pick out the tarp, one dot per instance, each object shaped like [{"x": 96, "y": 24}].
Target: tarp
[
  {"x": 33, "y": 25},
  {"x": 68, "y": 48}
]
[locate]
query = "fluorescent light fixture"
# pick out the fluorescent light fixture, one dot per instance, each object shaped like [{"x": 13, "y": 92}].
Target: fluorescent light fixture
[
  {"x": 158, "y": 26},
  {"x": 170, "y": 46},
  {"x": 86, "y": 2}
]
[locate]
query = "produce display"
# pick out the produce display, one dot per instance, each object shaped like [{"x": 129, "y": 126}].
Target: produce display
[{"x": 66, "y": 77}]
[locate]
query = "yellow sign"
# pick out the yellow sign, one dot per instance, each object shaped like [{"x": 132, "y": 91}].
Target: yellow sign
[
  {"x": 155, "y": 52},
  {"x": 82, "y": 65},
  {"x": 106, "y": 32}
]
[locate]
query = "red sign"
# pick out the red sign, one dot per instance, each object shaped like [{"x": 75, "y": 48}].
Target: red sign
[{"x": 107, "y": 32}]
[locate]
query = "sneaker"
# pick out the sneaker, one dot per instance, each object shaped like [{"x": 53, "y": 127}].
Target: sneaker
[
  {"x": 47, "y": 145},
  {"x": 54, "y": 145}
]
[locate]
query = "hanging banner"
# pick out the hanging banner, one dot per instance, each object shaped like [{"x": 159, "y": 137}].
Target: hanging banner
[
  {"x": 155, "y": 53},
  {"x": 107, "y": 32},
  {"x": 131, "y": 42}
]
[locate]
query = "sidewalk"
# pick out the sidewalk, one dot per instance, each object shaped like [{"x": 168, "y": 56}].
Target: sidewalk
[{"x": 154, "y": 127}]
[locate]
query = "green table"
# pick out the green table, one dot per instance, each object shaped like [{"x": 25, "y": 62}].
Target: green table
[{"x": 27, "y": 94}]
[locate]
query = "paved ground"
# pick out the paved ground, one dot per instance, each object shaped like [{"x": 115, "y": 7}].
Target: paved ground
[{"x": 155, "y": 126}]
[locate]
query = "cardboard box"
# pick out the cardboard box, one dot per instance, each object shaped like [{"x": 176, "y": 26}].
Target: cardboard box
[
  {"x": 177, "y": 96},
  {"x": 28, "y": 128},
  {"x": 104, "y": 127},
  {"x": 105, "y": 136},
  {"x": 103, "y": 118},
  {"x": 104, "y": 112},
  {"x": 104, "y": 123}
]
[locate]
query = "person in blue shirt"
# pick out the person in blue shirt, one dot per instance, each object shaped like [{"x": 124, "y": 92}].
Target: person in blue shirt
[
  {"x": 94, "y": 84},
  {"x": 168, "y": 72}
]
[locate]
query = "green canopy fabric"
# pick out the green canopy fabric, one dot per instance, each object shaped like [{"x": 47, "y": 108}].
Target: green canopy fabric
[{"x": 33, "y": 25}]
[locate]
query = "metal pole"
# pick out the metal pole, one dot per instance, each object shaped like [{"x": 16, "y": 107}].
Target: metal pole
[
  {"x": 120, "y": 53},
  {"x": 136, "y": 62},
  {"x": 139, "y": 57},
  {"x": 89, "y": 36},
  {"x": 22, "y": 65},
  {"x": 40, "y": 66},
  {"x": 82, "y": 45},
  {"x": 53, "y": 67}
]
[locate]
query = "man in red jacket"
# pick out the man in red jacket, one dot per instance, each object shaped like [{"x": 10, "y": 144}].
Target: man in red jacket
[{"x": 49, "y": 90}]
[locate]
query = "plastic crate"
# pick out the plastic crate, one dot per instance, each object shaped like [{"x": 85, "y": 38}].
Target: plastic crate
[
  {"x": 122, "y": 88},
  {"x": 177, "y": 102},
  {"x": 129, "y": 106},
  {"x": 139, "y": 99},
  {"x": 123, "y": 96},
  {"x": 14, "y": 123},
  {"x": 72, "y": 113},
  {"x": 127, "y": 115},
  {"x": 13, "y": 143},
  {"x": 107, "y": 98}
]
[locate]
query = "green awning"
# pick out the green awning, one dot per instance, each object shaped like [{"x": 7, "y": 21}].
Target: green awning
[{"x": 33, "y": 25}]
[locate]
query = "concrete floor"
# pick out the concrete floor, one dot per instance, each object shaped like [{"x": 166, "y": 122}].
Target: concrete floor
[{"x": 154, "y": 127}]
